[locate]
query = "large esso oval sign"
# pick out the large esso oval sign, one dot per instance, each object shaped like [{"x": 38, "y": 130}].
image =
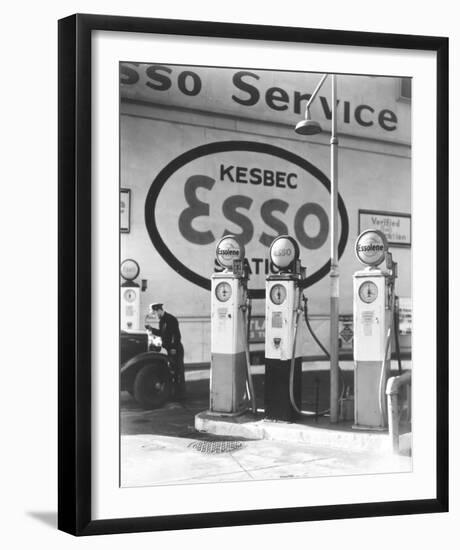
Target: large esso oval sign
[
  {"x": 252, "y": 190},
  {"x": 371, "y": 246},
  {"x": 227, "y": 250}
]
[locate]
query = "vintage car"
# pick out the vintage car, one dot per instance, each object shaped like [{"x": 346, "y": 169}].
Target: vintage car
[{"x": 145, "y": 372}]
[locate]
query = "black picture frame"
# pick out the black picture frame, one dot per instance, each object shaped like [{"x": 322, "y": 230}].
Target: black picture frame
[{"x": 75, "y": 236}]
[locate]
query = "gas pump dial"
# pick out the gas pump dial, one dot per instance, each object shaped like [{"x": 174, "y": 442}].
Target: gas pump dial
[
  {"x": 368, "y": 292},
  {"x": 223, "y": 292},
  {"x": 278, "y": 294},
  {"x": 130, "y": 295}
]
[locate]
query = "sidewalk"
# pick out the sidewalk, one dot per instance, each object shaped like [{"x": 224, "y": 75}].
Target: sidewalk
[
  {"x": 164, "y": 460},
  {"x": 163, "y": 447}
]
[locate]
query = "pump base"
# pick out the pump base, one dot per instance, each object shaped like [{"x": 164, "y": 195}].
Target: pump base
[
  {"x": 218, "y": 414},
  {"x": 228, "y": 382},
  {"x": 368, "y": 415},
  {"x": 277, "y": 401},
  {"x": 369, "y": 428}
]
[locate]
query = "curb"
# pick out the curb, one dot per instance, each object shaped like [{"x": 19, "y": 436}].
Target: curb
[{"x": 246, "y": 426}]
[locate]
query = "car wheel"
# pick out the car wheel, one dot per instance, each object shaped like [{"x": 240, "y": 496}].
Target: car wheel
[{"x": 152, "y": 386}]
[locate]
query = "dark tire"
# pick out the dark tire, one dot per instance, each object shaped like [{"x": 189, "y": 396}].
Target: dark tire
[{"x": 152, "y": 386}]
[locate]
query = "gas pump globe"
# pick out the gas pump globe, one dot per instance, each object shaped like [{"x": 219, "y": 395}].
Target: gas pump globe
[
  {"x": 283, "y": 299},
  {"x": 230, "y": 375},
  {"x": 373, "y": 303}
]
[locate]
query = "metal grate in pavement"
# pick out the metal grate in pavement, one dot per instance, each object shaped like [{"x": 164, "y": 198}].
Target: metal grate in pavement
[{"x": 216, "y": 447}]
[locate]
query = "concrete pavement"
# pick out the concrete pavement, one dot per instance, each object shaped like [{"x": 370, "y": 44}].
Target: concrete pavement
[
  {"x": 164, "y": 460},
  {"x": 162, "y": 447}
]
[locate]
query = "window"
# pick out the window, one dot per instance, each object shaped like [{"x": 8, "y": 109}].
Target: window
[{"x": 405, "y": 89}]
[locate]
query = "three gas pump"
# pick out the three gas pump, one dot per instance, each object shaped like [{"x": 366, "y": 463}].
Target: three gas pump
[{"x": 231, "y": 384}]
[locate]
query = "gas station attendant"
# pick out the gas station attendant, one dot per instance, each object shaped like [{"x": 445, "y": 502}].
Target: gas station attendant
[{"x": 171, "y": 340}]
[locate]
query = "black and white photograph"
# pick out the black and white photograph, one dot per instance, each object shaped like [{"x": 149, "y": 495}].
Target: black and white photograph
[{"x": 265, "y": 274}]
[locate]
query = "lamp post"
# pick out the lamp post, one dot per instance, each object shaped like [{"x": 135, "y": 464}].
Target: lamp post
[{"x": 308, "y": 127}]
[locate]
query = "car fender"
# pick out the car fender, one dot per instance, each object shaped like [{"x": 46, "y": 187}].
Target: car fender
[{"x": 129, "y": 370}]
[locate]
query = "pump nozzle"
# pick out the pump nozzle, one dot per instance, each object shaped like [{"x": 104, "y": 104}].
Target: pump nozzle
[{"x": 388, "y": 260}]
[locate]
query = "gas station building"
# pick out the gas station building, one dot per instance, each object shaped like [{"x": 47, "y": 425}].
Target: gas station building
[{"x": 209, "y": 151}]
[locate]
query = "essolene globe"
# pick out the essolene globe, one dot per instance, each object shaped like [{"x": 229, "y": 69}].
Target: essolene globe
[
  {"x": 371, "y": 246},
  {"x": 227, "y": 250},
  {"x": 284, "y": 250}
]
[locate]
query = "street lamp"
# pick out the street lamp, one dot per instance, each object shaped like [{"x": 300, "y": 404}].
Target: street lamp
[{"x": 309, "y": 127}]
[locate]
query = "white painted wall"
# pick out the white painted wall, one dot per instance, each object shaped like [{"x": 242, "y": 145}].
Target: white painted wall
[{"x": 373, "y": 175}]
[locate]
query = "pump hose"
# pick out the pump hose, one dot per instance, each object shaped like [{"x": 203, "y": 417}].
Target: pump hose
[
  {"x": 317, "y": 340},
  {"x": 249, "y": 384},
  {"x": 382, "y": 403},
  {"x": 396, "y": 334},
  {"x": 382, "y": 408},
  {"x": 291, "y": 372}
]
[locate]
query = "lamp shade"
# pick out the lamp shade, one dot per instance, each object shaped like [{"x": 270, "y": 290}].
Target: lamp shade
[{"x": 308, "y": 127}]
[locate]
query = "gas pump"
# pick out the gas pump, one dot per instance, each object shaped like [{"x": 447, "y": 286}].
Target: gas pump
[
  {"x": 230, "y": 380},
  {"x": 283, "y": 363},
  {"x": 129, "y": 295},
  {"x": 373, "y": 314}
]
